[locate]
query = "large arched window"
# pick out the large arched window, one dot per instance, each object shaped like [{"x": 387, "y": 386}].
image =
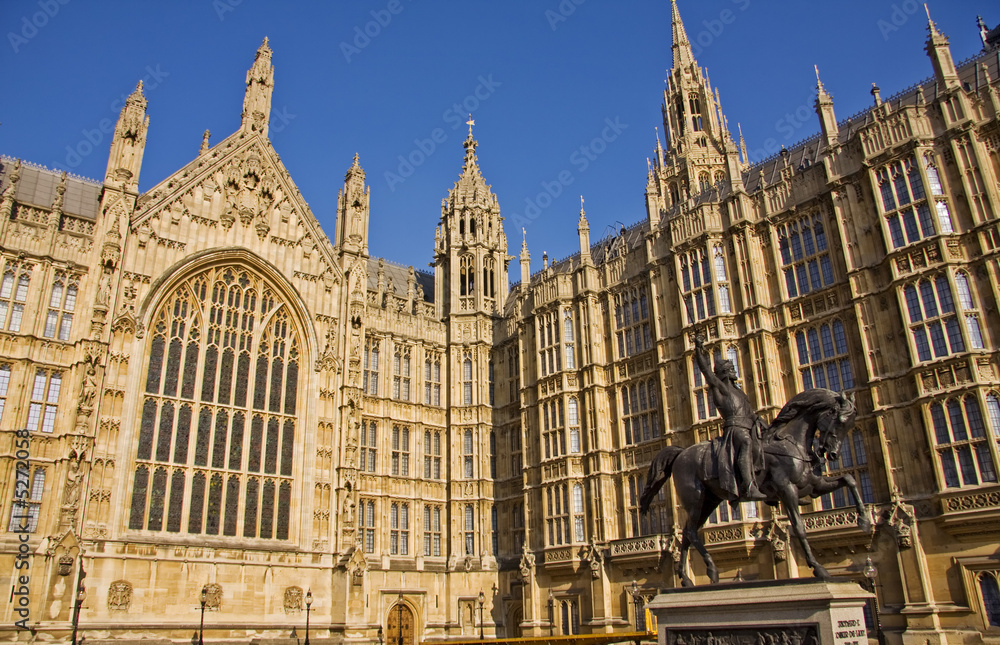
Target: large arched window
[{"x": 218, "y": 418}]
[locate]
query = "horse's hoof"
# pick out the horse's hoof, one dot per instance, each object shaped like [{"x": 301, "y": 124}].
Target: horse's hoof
[
  {"x": 822, "y": 574},
  {"x": 687, "y": 582},
  {"x": 865, "y": 526}
]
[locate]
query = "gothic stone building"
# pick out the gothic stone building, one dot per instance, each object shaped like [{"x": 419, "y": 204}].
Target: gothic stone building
[{"x": 225, "y": 406}]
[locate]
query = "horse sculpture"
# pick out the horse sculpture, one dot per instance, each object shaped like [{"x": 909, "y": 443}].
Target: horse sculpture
[{"x": 806, "y": 433}]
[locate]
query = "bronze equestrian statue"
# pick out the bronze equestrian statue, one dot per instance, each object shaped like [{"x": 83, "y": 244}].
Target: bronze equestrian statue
[{"x": 794, "y": 447}]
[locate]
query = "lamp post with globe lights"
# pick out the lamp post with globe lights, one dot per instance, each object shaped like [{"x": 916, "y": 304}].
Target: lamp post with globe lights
[
  {"x": 309, "y": 602},
  {"x": 871, "y": 572}
]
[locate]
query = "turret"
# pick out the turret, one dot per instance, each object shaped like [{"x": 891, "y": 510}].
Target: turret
[
  {"x": 128, "y": 143},
  {"x": 824, "y": 108},
  {"x": 352, "y": 212},
  {"x": 260, "y": 84},
  {"x": 583, "y": 230},
  {"x": 940, "y": 54},
  {"x": 525, "y": 260}
]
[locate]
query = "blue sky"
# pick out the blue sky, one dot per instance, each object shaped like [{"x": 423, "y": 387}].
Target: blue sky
[{"x": 553, "y": 85}]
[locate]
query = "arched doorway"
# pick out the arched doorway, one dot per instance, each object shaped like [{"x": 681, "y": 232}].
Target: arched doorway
[
  {"x": 514, "y": 618},
  {"x": 399, "y": 626}
]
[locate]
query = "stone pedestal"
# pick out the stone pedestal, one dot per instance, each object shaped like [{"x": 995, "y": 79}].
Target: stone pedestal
[{"x": 794, "y": 612}]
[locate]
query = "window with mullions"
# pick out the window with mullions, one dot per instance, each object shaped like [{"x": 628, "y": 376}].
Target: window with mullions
[
  {"x": 432, "y": 531},
  {"x": 703, "y": 399},
  {"x": 640, "y": 411},
  {"x": 468, "y": 456},
  {"x": 44, "y": 401},
  {"x": 470, "y": 530},
  {"x": 970, "y": 314},
  {"x": 369, "y": 446},
  {"x": 853, "y": 460},
  {"x": 218, "y": 418},
  {"x": 553, "y": 427},
  {"x": 557, "y": 514},
  {"x": 400, "y": 463},
  {"x": 399, "y": 529},
  {"x": 568, "y": 344},
  {"x": 26, "y": 507},
  {"x": 401, "y": 374},
  {"x": 366, "y": 518},
  {"x": 370, "y": 385},
  {"x": 725, "y": 513},
  {"x": 632, "y": 324},
  {"x": 467, "y": 379},
  {"x": 909, "y": 215},
  {"x": 517, "y": 523},
  {"x": 13, "y": 295},
  {"x": 549, "y": 354},
  {"x": 805, "y": 256},
  {"x": 573, "y": 420},
  {"x": 579, "y": 533},
  {"x": 960, "y": 436},
  {"x": 432, "y": 380},
  {"x": 4, "y": 383},
  {"x": 62, "y": 304},
  {"x": 696, "y": 285},
  {"x": 823, "y": 357},
  {"x": 432, "y": 455},
  {"x": 932, "y": 318},
  {"x": 722, "y": 279},
  {"x": 569, "y": 609},
  {"x": 989, "y": 592},
  {"x": 654, "y": 522}
]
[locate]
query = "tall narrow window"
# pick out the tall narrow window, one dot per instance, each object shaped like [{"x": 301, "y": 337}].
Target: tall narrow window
[
  {"x": 633, "y": 330},
  {"x": 468, "y": 458},
  {"x": 44, "y": 401},
  {"x": 62, "y": 304},
  {"x": 400, "y": 451},
  {"x": 696, "y": 285},
  {"x": 578, "y": 525},
  {"x": 570, "y": 346},
  {"x": 370, "y": 385},
  {"x": 4, "y": 383},
  {"x": 369, "y": 446},
  {"x": 722, "y": 279},
  {"x": 432, "y": 380},
  {"x": 470, "y": 534},
  {"x": 219, "y": 409},
  {"x": 969, "y": 311},
  {"x": 640, "y": 411},
  {"x": 432, "y": 531},
  {"x": 25, "y": 511},
  {"x": 573, "y": 418},
  {"x": 399, "y": 528},
  {"x": 990, "y": 592},
  {"x": 467, "y": 379},
  {"x": 367, "y": 522},
  {"x": 401, "y": 374},
  {"x": 13, "y": 295}
]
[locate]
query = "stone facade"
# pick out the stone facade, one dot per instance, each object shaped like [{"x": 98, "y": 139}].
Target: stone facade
[{"x": 222, "y": 399}]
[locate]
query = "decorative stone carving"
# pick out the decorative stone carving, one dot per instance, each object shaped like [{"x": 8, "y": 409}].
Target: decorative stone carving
[
  {"x": 213, "y": 596},
  {"x": 65, "y": 565},
  {"x": 119, "y": 596},
  {"x": 293, "y": 600},
  {"x": 527, "y": 564},
  {"x": 778, "y": 537}
]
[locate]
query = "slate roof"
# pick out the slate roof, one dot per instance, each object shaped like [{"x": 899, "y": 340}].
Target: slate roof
[{"x": 37, "y": 187}]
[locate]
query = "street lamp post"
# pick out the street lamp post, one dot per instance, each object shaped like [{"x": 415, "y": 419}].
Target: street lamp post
[
  {"x": 640, "y": 620},
  {"x": 552, "y": 604},
  {"x": 871, "y": 572},
  {"x": 482, "y": 599},
  {"x": 399, "y": 618},
  {"x": 309, "y": 602},
  {"x": 201, "y": 626},
  {"x": 81, "y": 593}
]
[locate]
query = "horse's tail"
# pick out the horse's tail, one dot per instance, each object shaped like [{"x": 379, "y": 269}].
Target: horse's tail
[{"x": 659, "y": 472}]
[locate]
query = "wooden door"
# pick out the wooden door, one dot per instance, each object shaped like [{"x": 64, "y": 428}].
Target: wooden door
[{"x": 400, "y": 630}]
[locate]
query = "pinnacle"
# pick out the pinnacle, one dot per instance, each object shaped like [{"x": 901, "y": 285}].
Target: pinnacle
[{"x": 683, "y": 56}]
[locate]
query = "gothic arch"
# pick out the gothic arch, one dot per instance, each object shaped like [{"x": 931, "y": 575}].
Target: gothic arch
[{"x": 218, "y": 434}]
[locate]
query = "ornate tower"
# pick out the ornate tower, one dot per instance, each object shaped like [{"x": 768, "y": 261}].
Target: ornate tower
[
  {"x": 352, "y": 213},
  {"x": 700, "y": 152},
  {"x": 260, "y": 84},
  {"x": 470, "y": 255},
  {"x": 128, "y": 143}
]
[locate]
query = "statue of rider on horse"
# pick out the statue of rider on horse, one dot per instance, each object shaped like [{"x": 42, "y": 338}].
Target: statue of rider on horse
[{"x": 754, "y": 461}]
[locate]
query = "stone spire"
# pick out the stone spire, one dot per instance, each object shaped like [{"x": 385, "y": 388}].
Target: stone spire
[
  {"x": 824, "y": 108},
  {"x": 940, "y": 55},
  {"x": 525, "y": 259},
  {"x": 260, "y": 84},
  {"x": 583, "y": 230},
  {"x": 128, "y": 142},
  {"x": 683, "y": 56}
]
